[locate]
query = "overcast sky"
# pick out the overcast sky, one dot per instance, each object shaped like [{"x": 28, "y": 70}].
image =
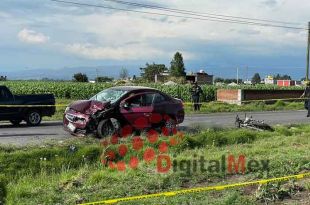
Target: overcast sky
[{"x": 40, "y": 34}]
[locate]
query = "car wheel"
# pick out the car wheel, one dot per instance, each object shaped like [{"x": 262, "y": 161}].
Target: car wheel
[
  {"x": 170, "y": 125},
  {"x": 15, "y": 122},
  {"x": 105, "y": 128},
  {"x": 33, "y": 118}
]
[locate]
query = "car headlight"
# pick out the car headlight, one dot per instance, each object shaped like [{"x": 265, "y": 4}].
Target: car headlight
[{"x": 67, "y": 109}]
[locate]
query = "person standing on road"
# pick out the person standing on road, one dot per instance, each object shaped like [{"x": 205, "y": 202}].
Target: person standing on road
[
  {"x": 306, "y": 95},
  {"x": 196, "y": 91}
]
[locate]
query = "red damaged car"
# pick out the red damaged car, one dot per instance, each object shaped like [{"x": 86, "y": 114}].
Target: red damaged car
[{"x": 132, "y": 106}]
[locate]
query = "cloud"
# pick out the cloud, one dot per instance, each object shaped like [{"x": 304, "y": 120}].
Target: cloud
[
  {"x": 128, "y": 52},
  {"x": 84, "y": 35},
  {"x": 30, "y": 36}
]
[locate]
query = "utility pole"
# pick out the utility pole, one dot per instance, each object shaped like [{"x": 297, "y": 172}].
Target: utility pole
[
  {"x": 247, "y": 70},
  {"x": 97, "y": 73},
  {"x": 237, "y": 75},
  {"x": 308, "y": 53}
]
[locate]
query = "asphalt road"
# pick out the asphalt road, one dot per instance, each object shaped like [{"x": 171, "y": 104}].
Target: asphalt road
[{"x": 48, "y": 131}]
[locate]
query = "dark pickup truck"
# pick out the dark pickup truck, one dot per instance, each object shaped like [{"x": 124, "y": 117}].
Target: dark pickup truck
[{"x": 10, "y": 110}]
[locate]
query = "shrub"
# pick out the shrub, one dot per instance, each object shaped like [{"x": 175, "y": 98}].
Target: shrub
[{"x": 80, "y": 77}]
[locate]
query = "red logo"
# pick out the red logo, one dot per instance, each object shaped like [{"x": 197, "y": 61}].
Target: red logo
[{"x": 124, "y": 151}]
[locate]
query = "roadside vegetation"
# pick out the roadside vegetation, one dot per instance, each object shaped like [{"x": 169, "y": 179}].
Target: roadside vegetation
[
  {"x": 215, "y": 107},
  {"x": 70, "y": 172}
]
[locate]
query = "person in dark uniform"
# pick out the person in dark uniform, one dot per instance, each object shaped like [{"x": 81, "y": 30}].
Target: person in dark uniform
[
  {"x": 306, "y": 95},
  {"x": 196, "y": 91}
]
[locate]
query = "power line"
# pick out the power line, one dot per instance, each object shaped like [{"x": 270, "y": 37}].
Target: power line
[
  {"x": 195, "y": 13},
  {"x": 216, "y": 19}
]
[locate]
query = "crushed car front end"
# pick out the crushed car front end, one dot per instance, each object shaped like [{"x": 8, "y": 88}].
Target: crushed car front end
[{"x": 80, "y": 117}]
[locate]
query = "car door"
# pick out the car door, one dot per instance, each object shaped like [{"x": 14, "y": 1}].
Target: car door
[
  {"x": 138, "y": 109},
  {"x": 160, "y": 104},
  {"x": 6, "y": 98}
]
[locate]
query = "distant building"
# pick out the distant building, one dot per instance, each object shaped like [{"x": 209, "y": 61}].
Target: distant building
[
  {"x": 286, "y": 83},
  {"x": 161, "y": 77},
  {"x": 247, "y": 82},
  {"x": 269, "y": 80},
  {"x": 201, "y": 78},
  {"x": 298, "y": 83}
]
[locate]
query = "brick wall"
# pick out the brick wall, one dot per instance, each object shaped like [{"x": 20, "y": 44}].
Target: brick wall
[
  {"x": 236, "y": 96},
  {"x": 271, "y": 94},
  {"x": 229, "y": 96}
]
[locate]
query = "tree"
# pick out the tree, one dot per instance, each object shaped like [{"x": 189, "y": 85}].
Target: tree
[
  {"x": 256, "y": 79},
  {"x": 123, "y": 74},
  {"x": 282, "y": 77},
  {"x": 103, "y": 79},
  {"x": 177, "y": 68},
  {"x": 232, "y": 80},
  {"x": 3, "y": 78},
  {"x": 226, "y": 80},
  {"x": 80, "y": 77},
  {"x": 219, "y": 80},
  {"x": 47, "y": 79},
  {"x": 151, "y": 70}
]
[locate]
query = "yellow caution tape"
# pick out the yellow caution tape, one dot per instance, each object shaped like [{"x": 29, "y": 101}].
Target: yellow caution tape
[
  {"x": 249, "y": 101},
  {"x": 199, "y": 189}
]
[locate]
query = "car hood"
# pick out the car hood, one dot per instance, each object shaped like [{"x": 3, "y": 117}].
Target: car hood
[{"x": 88, "y": 106}]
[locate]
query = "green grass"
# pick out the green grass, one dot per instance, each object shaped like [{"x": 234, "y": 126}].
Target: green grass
[
  {"x": 71, "y": 175},
  {"x": 214, "y": 107}
]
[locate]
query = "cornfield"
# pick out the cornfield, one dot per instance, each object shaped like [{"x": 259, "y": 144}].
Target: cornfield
[{"x": 74, "y": 90}]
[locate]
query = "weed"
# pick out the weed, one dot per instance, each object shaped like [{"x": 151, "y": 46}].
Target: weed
[{"x": 279, "y": 191}]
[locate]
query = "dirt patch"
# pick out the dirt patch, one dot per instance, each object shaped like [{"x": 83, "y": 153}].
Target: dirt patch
[
  {"x": 292, "y": 193},
  {"x": 249, "y": 190}
]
